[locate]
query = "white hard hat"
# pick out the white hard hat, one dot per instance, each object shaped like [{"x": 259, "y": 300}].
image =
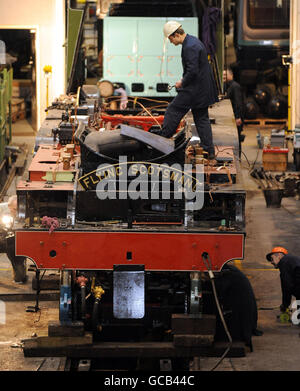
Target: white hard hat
[{"x": 170, "y": 27}]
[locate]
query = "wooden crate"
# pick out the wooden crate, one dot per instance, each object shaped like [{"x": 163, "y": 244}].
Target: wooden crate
[
  {"x": 18, "y": 115},
  {"x": 262, "y": 121},
  {"x": 275, "y": 159},
  {"x": 17, "y": 105},
  {"x": 21, "y": 88}
]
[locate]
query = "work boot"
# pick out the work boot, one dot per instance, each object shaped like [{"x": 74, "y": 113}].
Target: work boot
[
  {"x": 22, "y": 281},
  {"x": 257, "y": 332},
  {"x": 156, "y": 131},
  {"x": 19, "y": 269},
  {"x": 209, "y": 155}
]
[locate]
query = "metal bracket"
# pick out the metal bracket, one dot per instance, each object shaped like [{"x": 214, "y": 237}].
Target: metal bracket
[
  {"x": 287, "y": 60},
  {"x": 196, "y": 294}
]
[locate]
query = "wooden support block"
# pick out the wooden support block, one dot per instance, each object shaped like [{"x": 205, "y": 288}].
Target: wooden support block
[
  {"x": 58, "y": 329},
  {"x": 190, "y": 340},
  {"x": 52, "y": 364},
  {"x": 188, "y": 324},
  {"x": 17, "y": 105},
  {"x": 51, "y": 282},
  {"x": 53, "y": 346},
  {"x": 153, "y": 349}
]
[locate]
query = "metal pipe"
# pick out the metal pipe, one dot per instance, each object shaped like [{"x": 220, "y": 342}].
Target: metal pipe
[
  {"x": 83, "y": 302},
  {"x": 259, "y": 180},
  {"x": 95, "y": 315},
  {"x": 82, "y": 280},
  {"x": 266, "y": 179}
]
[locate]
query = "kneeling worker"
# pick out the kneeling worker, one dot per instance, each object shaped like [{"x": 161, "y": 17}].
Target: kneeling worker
[{"x": 289, "y": 266}]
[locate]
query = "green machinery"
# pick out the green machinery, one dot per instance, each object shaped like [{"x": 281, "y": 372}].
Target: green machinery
[
  {"x": 6, "y": 77},
  {"x": 12, "y": 157}
]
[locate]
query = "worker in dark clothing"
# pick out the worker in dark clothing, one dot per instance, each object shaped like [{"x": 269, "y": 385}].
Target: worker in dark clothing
[
  {"x": 235, "y": 94},
  {"x": 196, "y": 90},
  {"x": 18, "y": 263},
  {"x": 239, "y": 306},
  {"x": 8, "y": 246},
  {"x": 289, "y": 266}
]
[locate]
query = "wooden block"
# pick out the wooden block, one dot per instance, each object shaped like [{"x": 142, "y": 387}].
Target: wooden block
[
  {"x": 52, "y": 364},
  {"x": 21, "y": 88},
  {"x": 190, "y": 340},
  {"x": 187, "y": 324},
  {"x": 53, "y": 342},
  {"x": 57, "y": 329},
  {"x": 161, "y": 144},
  {"x": 22, "y": 83},
  {"x": 51, "y": 282},
  {"x": 17, "y": 104},
  {"x": 153, "y": 349},
  {"x": 16, "y": 91},
  {"x": 53, "y": 346}
]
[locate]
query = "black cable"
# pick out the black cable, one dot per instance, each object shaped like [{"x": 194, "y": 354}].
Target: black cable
[
  {"x": 253, "y": 164},
  {"x": 224, "y": 149},
  {"x": 40, "y": 314},
  {"x": 246, "y": 159},
  {"x": 255, "y": 159},
  {"x": 207, "y": 262}
]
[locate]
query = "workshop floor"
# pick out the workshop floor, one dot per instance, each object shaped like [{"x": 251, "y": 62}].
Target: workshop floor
[{"x": 278, "y": 349}]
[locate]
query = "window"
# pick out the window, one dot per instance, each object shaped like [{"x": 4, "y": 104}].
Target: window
[
  {"x": 177, "y": 8},
  {"x": 274, "y": 14}
]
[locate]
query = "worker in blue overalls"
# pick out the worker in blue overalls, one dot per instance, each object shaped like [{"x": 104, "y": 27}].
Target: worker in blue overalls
[{"x": 196, "y": 90}]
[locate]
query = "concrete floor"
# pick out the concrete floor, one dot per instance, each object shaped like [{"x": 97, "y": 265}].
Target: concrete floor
[
  {"x": 19, "y": 324},
  {"x": 279, "y": 347}
]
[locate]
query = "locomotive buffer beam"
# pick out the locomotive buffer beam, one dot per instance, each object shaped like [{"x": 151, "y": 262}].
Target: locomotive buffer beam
[
  {"x": 79, "y": 347},
  {"x": 193, "y": 337}
]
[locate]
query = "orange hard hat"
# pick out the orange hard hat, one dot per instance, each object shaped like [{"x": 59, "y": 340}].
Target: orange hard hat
[{"x": 276, "y": 250}]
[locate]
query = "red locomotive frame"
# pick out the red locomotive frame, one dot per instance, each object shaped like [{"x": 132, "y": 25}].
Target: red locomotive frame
[{"x": 158, "y": 251}]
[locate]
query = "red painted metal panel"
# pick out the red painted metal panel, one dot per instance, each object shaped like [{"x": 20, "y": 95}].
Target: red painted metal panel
[
  {"x": 276, "y": 150},
  {"x": 101, "y": 250},
  {"x": 145, "y": 121}
]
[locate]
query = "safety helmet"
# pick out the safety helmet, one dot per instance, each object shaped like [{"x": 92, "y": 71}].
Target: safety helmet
[
  {"x": 170, "y": 27},
  {"x": 276, "y": 250}
]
